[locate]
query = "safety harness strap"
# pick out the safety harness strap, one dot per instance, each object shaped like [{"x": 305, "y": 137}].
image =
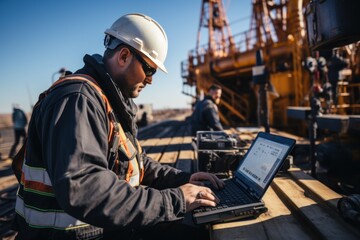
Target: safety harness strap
[{"x": 117, "y": 137}]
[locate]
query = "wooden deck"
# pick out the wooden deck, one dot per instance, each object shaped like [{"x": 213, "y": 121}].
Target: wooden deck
[{"x": 299, "y": 207}]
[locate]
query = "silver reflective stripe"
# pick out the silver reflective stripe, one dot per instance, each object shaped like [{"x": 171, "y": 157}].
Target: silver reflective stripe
[
  {"x": 134, "y": 180},
  {"x": 36, "y": 175},
  {"x": 46, "y": 219},
  {"x": 135, "y": 177}
]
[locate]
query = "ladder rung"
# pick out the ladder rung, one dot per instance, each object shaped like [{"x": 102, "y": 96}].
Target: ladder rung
[
  {"x": 342, "y": 83},
  {"x": 343, "y": 106}
]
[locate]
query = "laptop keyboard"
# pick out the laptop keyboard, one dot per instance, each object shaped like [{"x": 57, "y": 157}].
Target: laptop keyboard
[{"x": 229, "y": 196}]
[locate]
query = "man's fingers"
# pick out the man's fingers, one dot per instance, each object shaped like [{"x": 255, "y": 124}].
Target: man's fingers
[
  {"x": 216, "y": 182},
  {"x": 200, "y": 178},
  {"x": 199, "y": 183},
  {"x": 204, "y": 202},
  {"x": 196, "y": 196},
  {"x": 207, "y": 194}
]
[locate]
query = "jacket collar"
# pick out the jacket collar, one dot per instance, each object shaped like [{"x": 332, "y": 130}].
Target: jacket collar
[
  {"x": 210, "y": 98},
  {"x": 125, "y": 108}
]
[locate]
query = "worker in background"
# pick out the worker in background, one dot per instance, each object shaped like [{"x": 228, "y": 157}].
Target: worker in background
[
  {"x": 206, "y": 114},
  {"x": 20, "y": 121},
  {"x": 69, "y": 188}
]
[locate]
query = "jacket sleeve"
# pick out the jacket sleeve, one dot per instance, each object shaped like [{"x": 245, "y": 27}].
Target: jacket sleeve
[
  {"x": 74, "y": 138},
  {"x": 162, "y": 176}
]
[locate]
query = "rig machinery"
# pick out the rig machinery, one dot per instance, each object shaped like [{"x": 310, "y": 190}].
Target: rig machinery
[{"x": 278, "y": 30}]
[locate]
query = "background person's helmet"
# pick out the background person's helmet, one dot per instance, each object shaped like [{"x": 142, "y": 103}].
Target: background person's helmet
[{"x": 142, "y": 33}]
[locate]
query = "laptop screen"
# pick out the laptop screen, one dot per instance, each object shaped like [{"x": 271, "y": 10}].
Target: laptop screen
[{"x": 262, "y": 161}]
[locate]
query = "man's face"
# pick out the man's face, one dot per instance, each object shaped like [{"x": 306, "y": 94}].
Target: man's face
[
  {"x": 133, "y": 79},
  {"x": 216, "y": 95}
]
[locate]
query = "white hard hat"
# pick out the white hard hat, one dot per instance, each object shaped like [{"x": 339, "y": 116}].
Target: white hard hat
[{"x": 142, "y": 33}]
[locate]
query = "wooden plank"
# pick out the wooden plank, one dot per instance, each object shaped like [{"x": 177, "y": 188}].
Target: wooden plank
[
  {"x": 6, "y": 163},
  {"x": 149, "y": 143},
  {"x": 155, "y": 146},
  {"x": 186, "y": 158},
  {"x": 317, "y": 188},
  {"x": 230, "y": 131},
  {"x": 153, "y": 140},
  {"x": 279, "y": 222},
  {"x": 156, "y": 130},
  {"x": 247, "y": 229},
  {"x": 8, "y": 181},
  {"x": 144, "y": 135},
  {"x": 323, "y": 220},
  {"x": 171, "y": 152},
  {"x": 248, "y": 134},
  {"x": 156, "y": 150},
  {"x": 299, "y": 140},
  {"x": 186, "y": 161},
  {"x": 276, "y": 223},
  {"x": 165, "y": 144}
]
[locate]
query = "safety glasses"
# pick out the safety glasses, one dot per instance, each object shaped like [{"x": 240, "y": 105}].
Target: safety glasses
[{"x": 148, "y": 70}]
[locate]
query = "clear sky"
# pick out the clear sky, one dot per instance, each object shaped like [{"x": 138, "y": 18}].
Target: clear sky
[{"x": 39, "y": 37}]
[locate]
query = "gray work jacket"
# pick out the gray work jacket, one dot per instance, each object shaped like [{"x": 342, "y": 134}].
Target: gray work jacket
[{"x": 68, "y": 135}]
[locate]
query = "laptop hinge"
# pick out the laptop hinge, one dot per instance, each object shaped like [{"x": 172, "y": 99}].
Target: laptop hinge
[
  {"x": 253, "y": 193},
  {"x": 245, "y": 187},
  {"x": 238, "y": 181}
]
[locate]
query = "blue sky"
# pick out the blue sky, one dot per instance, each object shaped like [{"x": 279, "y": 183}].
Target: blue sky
[{"x": 39, "y": 37}]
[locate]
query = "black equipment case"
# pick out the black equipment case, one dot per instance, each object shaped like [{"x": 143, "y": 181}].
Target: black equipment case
[
  {"x": 217, "y": 152},
  {"x": 332, "y": 23}
]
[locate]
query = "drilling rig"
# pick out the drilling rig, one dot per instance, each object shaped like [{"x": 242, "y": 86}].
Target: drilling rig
[{"x": 278, "y": 30}]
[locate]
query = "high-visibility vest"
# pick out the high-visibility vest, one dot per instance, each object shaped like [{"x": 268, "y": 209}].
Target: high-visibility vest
[{"x": 35, "y": 186}]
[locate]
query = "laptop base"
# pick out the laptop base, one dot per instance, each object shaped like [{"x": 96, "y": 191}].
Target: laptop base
[{"x": 228, "y": 216}]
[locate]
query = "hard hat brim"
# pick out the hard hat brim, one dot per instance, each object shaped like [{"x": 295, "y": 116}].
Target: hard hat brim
[{"x": 115, "y": 42}]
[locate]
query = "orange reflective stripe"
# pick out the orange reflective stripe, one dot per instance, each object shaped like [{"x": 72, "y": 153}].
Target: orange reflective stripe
[
  {"x": 142, "y": 172},
  {"x": 22, "y": 177},
  {"x": 112, "y": 132},
  {"x": 129, "y": 172},
  {"x": 37, "y": 186}
]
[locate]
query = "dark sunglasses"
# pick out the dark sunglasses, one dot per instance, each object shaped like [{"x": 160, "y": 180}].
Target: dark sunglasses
[{"x": 148, "y": 70}]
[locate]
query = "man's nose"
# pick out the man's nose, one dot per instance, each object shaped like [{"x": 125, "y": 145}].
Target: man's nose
[{"x": 148, "y": 80}]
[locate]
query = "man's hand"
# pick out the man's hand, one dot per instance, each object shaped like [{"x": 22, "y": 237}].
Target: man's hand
[
  {"x": 196, "y": 196},
  {"x": 199, "y": 178}
]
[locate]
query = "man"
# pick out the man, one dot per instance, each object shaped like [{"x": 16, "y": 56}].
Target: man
[
  {"x": 205, "y": 116},
  {"x": 19, "y": 120},
  {"x": 69, "y": 188}
]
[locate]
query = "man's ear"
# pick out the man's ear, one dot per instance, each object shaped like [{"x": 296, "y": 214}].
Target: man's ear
[{"x": 123, "y": 56}]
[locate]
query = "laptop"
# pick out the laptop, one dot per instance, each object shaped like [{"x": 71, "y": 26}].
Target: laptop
[{"x": 242, "y": 195}]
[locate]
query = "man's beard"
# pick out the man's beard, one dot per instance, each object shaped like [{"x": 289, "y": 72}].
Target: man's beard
[
  {"x": 134, "y": 92},
  {"x": 126, "y": 90}
]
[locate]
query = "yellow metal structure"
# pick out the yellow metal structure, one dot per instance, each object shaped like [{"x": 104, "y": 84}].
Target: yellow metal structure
[{"x": 278, "y": 29}]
